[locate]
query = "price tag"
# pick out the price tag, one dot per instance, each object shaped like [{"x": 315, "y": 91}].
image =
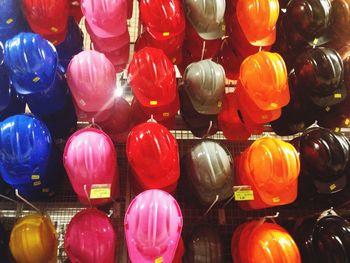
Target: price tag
[
  {"x": 9, "y": 21},
  {"x": 99, "y": 191},
  {"x": 347, "y": 122},
  {"x": 244, "y": 195},
  {"x": 36, "y": 79},
  {"x": 274, "y": 105},
  {"x": 153, "y": 102},
  {"x": 166, "y": 34},
  {"x": 159, "y": 260},
  {"x": 35, "y": 177},
  {"x": 315, "y": 41},
  {"x": 337, "y": 129},
  {"x": 332, "y": 187},
  {"x": 337, "y": 95}
]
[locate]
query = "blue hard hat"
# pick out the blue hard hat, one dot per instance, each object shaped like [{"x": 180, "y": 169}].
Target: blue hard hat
[
  {"x": 50, "y": 100},
  {"x": 10, "y": 13},
  {"x": 25, "y": 149},
  {"x": 16, "y": 105},
  {"x": 72, "y": 45},
  {"x": 31, "y": 62}
]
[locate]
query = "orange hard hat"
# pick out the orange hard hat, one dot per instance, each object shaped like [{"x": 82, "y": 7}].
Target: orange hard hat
[
  {"x": 257, "y": 19},
  {"x": 264, "y": 77}
]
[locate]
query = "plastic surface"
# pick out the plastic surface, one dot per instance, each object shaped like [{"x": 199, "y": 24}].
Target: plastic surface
[
  {"x": 153, "y": 225},
  {"x": 205, "y": 86},
  {"x": 152, "y": 153},
  {"x": 152, "y": 78},
  {"x": 25, "y": 147},
  {"x": 107, "y": 18},
  {"x": 163, "y": 19},
  {"x": 92, "y": 80},
  {"x": 90, "y": 237},
  {"x": 207, "y": 17},
  {"x": 209, "y": 169},
  {"x": 47, "y": 17},
  {"x": 257, "y": 20},
  {"x": 33, "y": 239},
  {"x": 31, "y": 62},
  {"x": 90, "y": 159}
]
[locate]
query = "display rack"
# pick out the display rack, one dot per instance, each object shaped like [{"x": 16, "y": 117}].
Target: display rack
[{"x": 64, "y": 205}]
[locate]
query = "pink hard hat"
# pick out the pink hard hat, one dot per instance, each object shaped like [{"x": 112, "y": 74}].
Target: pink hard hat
[
  {"x": 92, "y": 80},
  {"x": 153, "y": 225},
  {"x": 107, "y": 18},
  {"x": 109, "y": 44},
  {"x": 90, "y": 160},
  {"x": 119, "y": 57},
  {"x": 90, "y": 238}
]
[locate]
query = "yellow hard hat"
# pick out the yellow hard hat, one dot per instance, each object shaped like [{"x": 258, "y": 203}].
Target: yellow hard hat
[{"x": 34, "y": 240}]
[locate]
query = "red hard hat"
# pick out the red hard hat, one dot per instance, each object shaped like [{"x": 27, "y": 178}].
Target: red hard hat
[
  {"x": 47, "y": 17},
  {"x": 152, "y": 78},
  {"x": 163, "y": 19},
  {"x": 171, "y": 46},
  {"x": 75, "y": 10},
  {"x": 152, "y": 153}
]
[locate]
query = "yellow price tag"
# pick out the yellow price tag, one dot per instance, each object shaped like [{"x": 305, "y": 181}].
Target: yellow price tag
[
  {"x": 36, "y": 79},
  {"x": 9, "y": 21},
  {"x": 37, "y": 183},
  {"x": 159, "y": 260},
  {"x": 166, "y": 114},
  {"x": 153, "y": 102},
  {"x": 54, "y": 29},
  {"x": 276, "y": 200},
  {"x": 166, "y": 34},
  {"x": 99, "y": 191},
  {"x": 244, "y": 195},
  {"x": 332, "y": 187},
  {"x": 35, "y": 177},
  {"x": 315, "y": 41},
  {"x": 347, "y": 121},
  {"x": 337, "y": 95},
  {"x": 337, "y": 129}
]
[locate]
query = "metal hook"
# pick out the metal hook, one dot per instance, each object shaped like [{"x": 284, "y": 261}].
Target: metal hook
[
  {"x": 152, "y": 119},
  {"x": 87, "y": 195},
  {"x": 203, "y": 50},
  {"x": 212, "y": 205},
  {"x": 260, "y": 49},
  {"x": 8, "y": 198},
  {"x": 26, "y": 201},
  {"x": 93, "y": 124},
  {"x": 208, "y": 131}
]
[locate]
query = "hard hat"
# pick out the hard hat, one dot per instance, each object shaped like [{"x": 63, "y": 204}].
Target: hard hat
[
  {"x": 119, "y": 57},
  {"x": 340, "y": 11},
  {"x": 16, "y": 105},
  {"x": 325, "y": 239},
  {"x": 75, "y": 10},
  {"x": 199, "y": 124},
  {"x": 209, "y": 169},
  {"x": 163, "y": 19},
  {"x": 205, "y": 86},
  {"x": 272, "y": 167},
  {"x": 72, "y": 45},
  {"x": 90, "y": 160},
  {"x": 257, "y": 20},
  {"x": 264, "y": 78},
  {"x": 320, "y": 74},
  {"x": 205, "y": 245},
  {"x": 207, "y": 17},
  {"x": 90, "y": 237},
  {"x": 33, "y": 239},
  {"x": 31, "y": 62},
  {"x": 46, "y": 17},
  {"x": 108, "y": 44},
  {"x": 106, "y": 18},
  {"x": 152, "y": 153},
  {"x": 25, "y": 148},
  {"x": 50, "y": 100},
  {"x": 310, "y": 18},
  {"x": 324, "y": 157},
  {"x": 92, "y": 80},
  {"x": 152, "y": 78},
  {"x": 10, "y": 15},
  {"x": 152, "y": 225}
]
